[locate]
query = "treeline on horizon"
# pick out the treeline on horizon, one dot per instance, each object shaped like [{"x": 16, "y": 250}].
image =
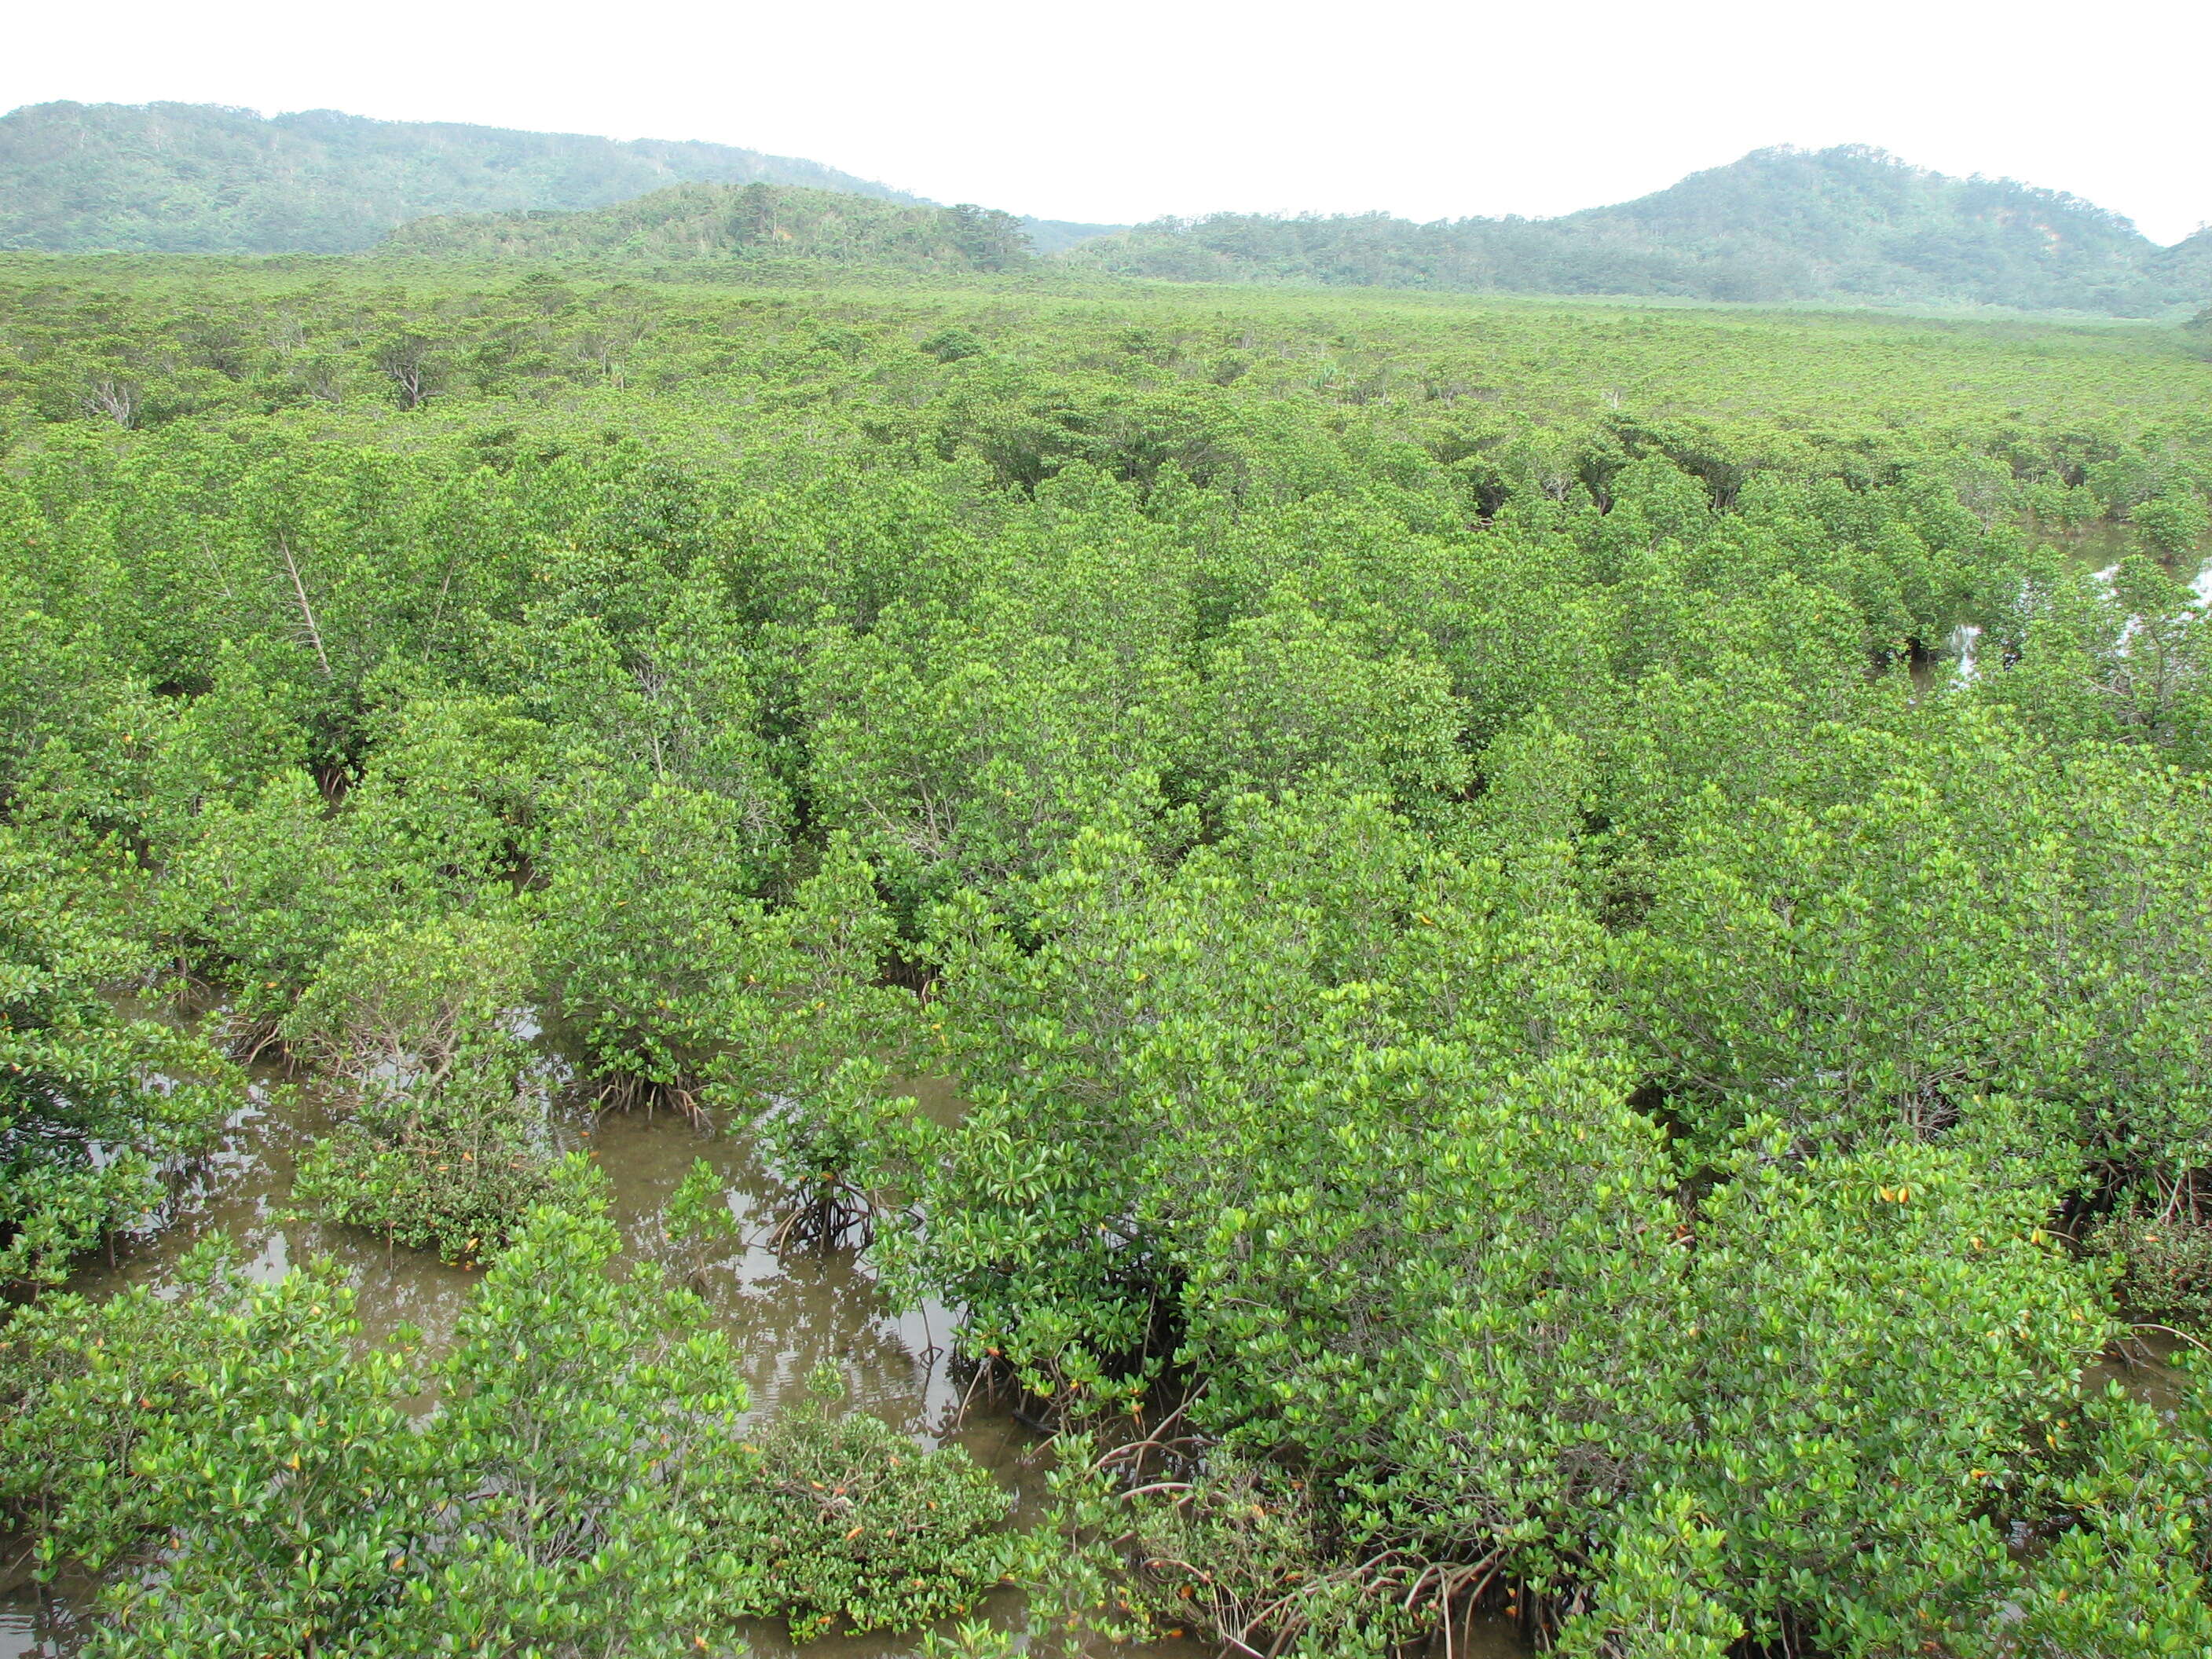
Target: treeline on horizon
[
  {"x": 1849, "y": 226},
  {"x": 1845, "y": 225},
  {"x": 1536, "y": 1039},
  {"x": 695, "y": 222}
]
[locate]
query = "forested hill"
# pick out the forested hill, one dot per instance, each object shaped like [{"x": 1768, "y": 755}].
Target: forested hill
[
  {"x": 199, "y": 178},
  {"x": 705, "y": 221},
  {"x": 2188, "y": 264},
  {"x": 1850, "y": 224}
]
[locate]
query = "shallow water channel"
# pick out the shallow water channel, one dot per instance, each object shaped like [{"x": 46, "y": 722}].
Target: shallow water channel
[{"x": 785, "y": 1313}]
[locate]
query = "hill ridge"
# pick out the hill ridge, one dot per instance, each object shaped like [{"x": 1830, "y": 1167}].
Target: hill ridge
[
  {"x": 1850, "y": 222},
  {"x": 181, "y": 177}
]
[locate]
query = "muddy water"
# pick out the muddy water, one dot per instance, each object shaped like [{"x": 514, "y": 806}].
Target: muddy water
[
  {"x": 786, "y": 1313},
  {"x": 2098, "y": 548},
  {"x": 2144, "y": 1364}
]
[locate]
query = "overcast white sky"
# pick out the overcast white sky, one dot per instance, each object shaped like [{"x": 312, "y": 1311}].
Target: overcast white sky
[{"x": 1133, "y": 109}]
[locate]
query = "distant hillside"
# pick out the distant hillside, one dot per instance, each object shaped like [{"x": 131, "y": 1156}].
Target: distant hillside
[
  {"x": 708, "y": 221},
  {"x": 1058, "y": 235},
  {"x": 2188, "y": 264},
  {"x": 1849, "y": 223},
  {"x": 198, "y": 179}
]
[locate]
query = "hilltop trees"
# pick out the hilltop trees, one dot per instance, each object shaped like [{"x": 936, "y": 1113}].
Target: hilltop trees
[
  {"x": 203, "y": 179},
  {"x": 1847, "y": 224},
  {"x": 699, "y": 222}
]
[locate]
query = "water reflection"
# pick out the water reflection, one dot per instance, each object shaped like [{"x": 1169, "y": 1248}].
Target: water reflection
[{"x": 785, "y": 1315}]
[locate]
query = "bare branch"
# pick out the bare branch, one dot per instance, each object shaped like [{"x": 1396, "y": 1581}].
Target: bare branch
[{"x": 307, "y": 610}]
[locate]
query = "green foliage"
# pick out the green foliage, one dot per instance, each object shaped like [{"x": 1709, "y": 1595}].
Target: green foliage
[
  {"x": 1247, "y": 1552},
  {"x": 200, "y": 178},
  {"x": 643, "y": 931},
  {"x": 862, "y": 1528},
  {"x": 234, "y": 1420},
  {"x": 1659, "y": 1597},
  {"x": 949, "y": 346},
  {"x": 449, "y": 1140},
  {"x": 2129, "y": 1575},
  {"x": 594, "y": 1420},
  {"x": 2165, "y": 1258},
  {"x": 583, "y": 1483},
  {"x": 709, "y": 221},
  {"x": 87, "y": 1384},
  {"x": 2175, "y": 525},
  {"x": 1533, "y": 1006},
  {"x": 1289, "y": 701},
  {"x": 698, "y": 1210},
  {"x": 94, "y": 1107},
  {"x": 1849, "y": 1497}
]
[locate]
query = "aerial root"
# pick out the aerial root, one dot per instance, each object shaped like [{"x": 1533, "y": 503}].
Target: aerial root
[{"x": 626, "y": 1092}]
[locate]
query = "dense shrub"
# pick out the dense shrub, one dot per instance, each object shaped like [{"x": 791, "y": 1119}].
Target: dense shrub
[{"x": 1550, "y": 924}]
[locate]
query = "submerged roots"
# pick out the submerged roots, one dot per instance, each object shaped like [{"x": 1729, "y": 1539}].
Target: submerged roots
[
  {"x": 828, "y": 1215},
  {"x": 626, "y": 1093}
]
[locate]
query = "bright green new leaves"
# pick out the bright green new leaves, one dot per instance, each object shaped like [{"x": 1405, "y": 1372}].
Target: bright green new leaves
[
  {"x": 1289, "y": 701},
  {"x": 2128, "y": 1576},
  {"x": 237, "y": 1420},
  {"x": 668, "y": 702},
  {"x": 1473, "y": 1323},
  {"x": 593, "y": 1424},
  {"x": 89, "y": 1385},
  {"x": 963, "y": 757},
  {"x": 646, "y": 923},
  {"x": 1344, "y": 1153},
  {"x": 1664, "y": 1593},
  {"x": 1934, "y": 926},
  {"x": 1362, "y": 1158},
  {"x": 1823, "y": 1299},
  {"x": 1872, "y": 948}
]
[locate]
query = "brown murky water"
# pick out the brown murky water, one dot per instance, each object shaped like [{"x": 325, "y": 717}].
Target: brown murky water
[
  {"x": 786, "y": 1314},
  {"x": 2143, "y": 1364}
]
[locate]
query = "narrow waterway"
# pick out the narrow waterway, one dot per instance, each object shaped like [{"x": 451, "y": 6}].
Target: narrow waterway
[{"x": 786, "y": 1314}]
